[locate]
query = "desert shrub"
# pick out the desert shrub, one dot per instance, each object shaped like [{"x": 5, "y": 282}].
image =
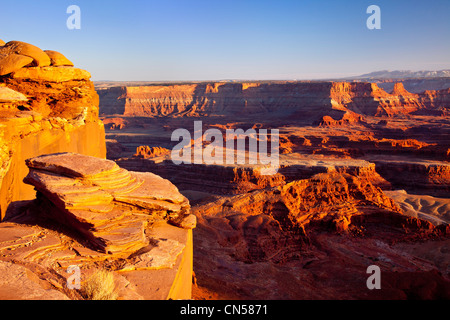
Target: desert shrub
[{"x": 100, "y": 286}]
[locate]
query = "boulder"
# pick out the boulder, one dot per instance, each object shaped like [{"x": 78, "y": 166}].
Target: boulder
[
  {"x": 58, "y": 59},
  {"x": 13, "y": 62},
  {"x": 2, "y": 43},
  {"x": 15, "y": 55},
  {"x": 40, "y": 58},
  {"x": 52, "y": 74}
]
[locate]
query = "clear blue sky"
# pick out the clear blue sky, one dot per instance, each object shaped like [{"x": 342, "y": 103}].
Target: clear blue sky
[{"x": 235, "y": 39}]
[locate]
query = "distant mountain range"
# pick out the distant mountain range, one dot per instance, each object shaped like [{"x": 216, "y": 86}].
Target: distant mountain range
[{"x": 404, "y": 74}]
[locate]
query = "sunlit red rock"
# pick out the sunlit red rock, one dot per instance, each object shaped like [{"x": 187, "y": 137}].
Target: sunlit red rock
[{"x": 107, "y": 204}]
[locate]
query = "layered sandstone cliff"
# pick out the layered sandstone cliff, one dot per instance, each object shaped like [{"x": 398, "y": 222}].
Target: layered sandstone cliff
[
  {"x": 417, "y": 176},
  {"x": 237, "y": 179},
  {"x": 313, "y": 239},
  {"x": 46, "y": 106},
  {"x": 91, "y": 214},
  {"x": 302, "y": 100},
  {"x": 63, "y": 205}
]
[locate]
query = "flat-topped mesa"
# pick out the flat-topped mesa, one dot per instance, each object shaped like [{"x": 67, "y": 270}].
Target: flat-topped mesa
[
  {"x": 306, "y": 101},
  {"x": 110, "y": 206},
  {"x": 367, "y": 98}
]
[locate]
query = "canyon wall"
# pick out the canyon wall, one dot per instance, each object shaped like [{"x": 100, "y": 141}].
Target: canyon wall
[
  {"x": 302, "y": 100},
  {"x": 218, "y": 179}
]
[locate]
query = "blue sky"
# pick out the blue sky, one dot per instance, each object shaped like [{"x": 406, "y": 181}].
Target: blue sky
[{"x": 245, "y": 39}]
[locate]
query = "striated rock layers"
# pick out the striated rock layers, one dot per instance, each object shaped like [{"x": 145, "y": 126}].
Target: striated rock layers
[
  {"x": 314, "y": 239},
  {"x": 239, "y": 179},
  {"x": 46, "y": 106},
  {"x": 418, "y": 176},
  {"x": 109, "y": 205},
  {"x": 309, "y": 101},
  {"x": 93, "y": 215},
  {"x": 331, "y": 200}
]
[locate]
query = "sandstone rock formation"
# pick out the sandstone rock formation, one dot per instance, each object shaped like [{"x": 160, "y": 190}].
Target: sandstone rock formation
[
  {"x": 147, "y": 152},
  {"x": 36, "y": 253},
  {"x": 9, "y": 95},
  {"x": 80, "y": 209},
  {"x": 244, "y": 178},
  {"x": 306, "y": 101},
  {"x": 311, "y": 230},
  {"x": 52, "y": 74},
  {"x": 347, "y": 118},
  {"x": 91, "y": 214},
  {"x": 425, "y": 177},
  {"x": 313, "y": 239},
  {"x": 46, "y": 106},
  {"x": 108, "y": 205},
  {"x": 17, "y": 283},
  {"x": 58, "y": 59},
  {"x": 15, "y": 55}
]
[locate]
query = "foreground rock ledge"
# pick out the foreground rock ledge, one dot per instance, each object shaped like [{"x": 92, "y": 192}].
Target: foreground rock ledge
[
  {"x": 91, "y": 213},
  {"x": 34, "y": 261},
  {"x": 110, "y": 206}
]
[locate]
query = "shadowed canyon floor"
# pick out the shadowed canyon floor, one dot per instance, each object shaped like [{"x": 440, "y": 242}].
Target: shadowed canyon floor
[{"x": 364, "y": 180}]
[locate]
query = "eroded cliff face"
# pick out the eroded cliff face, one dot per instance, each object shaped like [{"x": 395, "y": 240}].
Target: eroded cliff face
[
  {"x": 311, "y": 230},
  {"x": 369, "y": 99},
  {"x": 47, "y": 106},
  {"x": 77, "y": 208},
  {"x": 313, "y": 239},
  {"x": 302, "y": 100}
]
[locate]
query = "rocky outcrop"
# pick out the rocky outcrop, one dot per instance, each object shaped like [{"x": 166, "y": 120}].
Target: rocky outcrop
[
  {"x": 46, "y": 106},
  {"x": 36, "y": 255},
  {"x": 330, "y": 200},
  {"x": 15, "y": 55},
  {"x": 326, "y": 230},
  {"x": 346, "y": 119},
  {"x": 239, "y": 179},
  {"x": 110, "y": 206},
  {"x": 417, "y": 176},
  {"x": 147, "y": 152},
  {"x": 437, "y": 100},
  {"x": 309, "y": 101},
  {"x": 95, "y": 216}
]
